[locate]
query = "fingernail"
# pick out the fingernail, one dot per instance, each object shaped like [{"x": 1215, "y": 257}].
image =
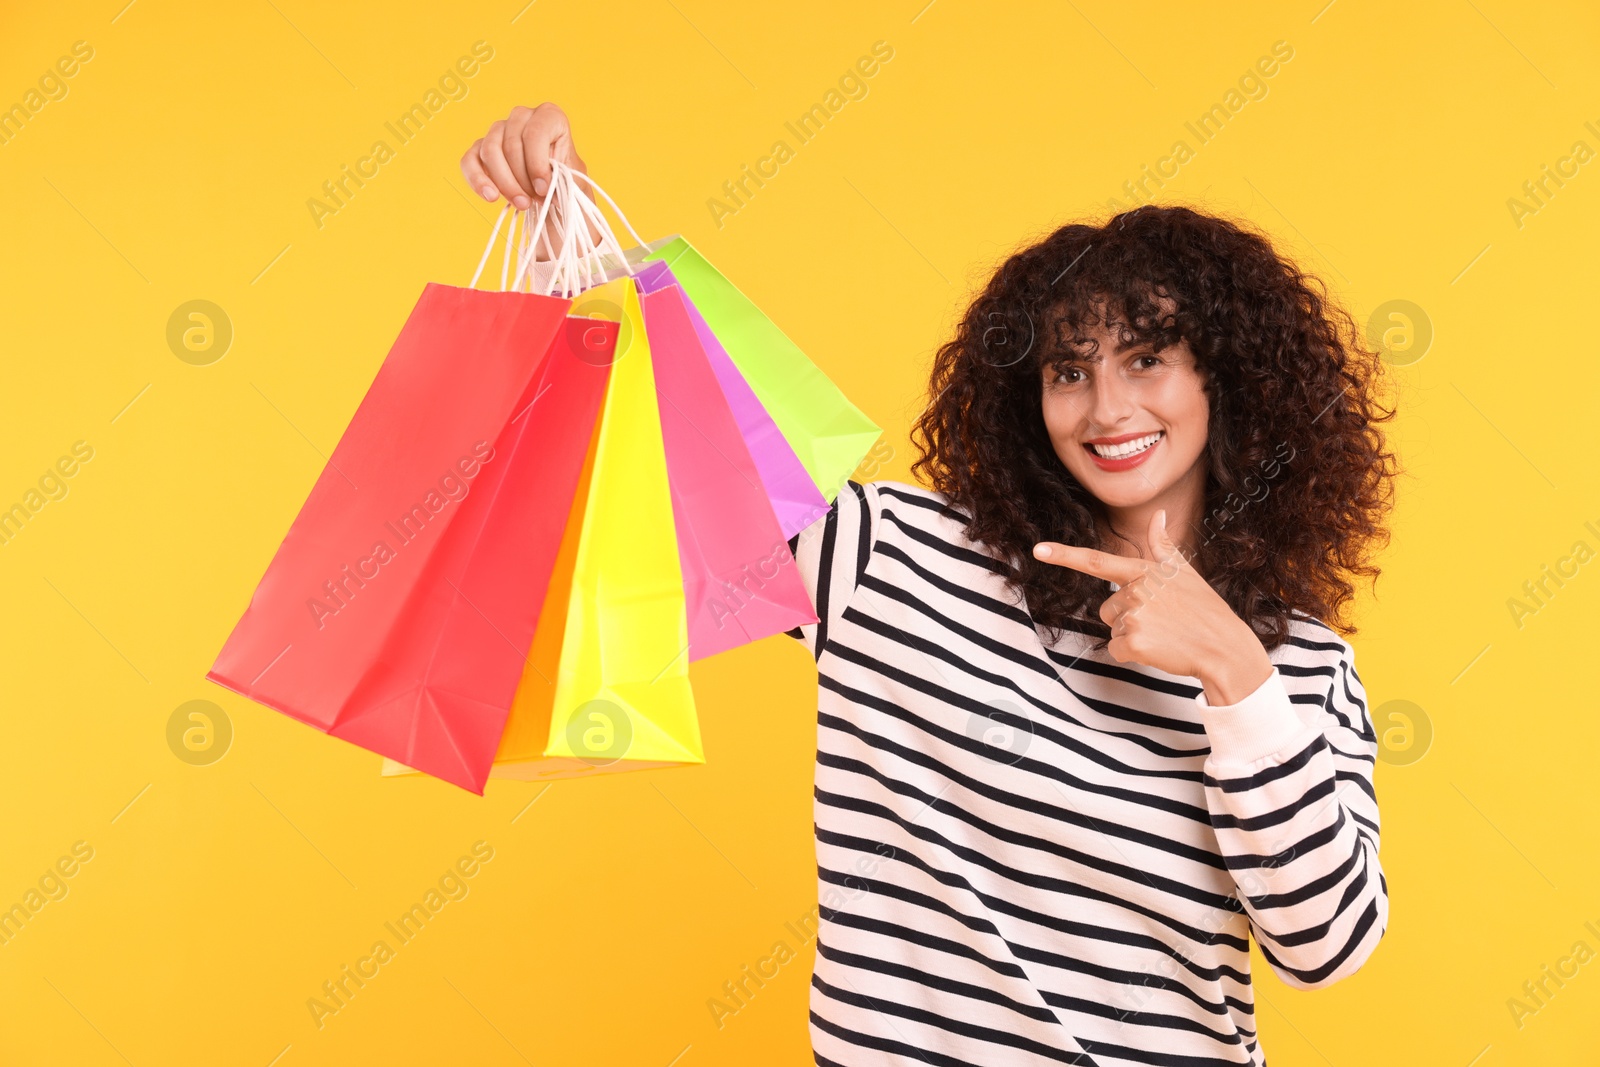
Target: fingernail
[
  {"x": 539, "y": 186},
  {"x": 521, "y": 203},
  {"x": 490, "y": 192},
  {"x": 1042, "y": 551}
]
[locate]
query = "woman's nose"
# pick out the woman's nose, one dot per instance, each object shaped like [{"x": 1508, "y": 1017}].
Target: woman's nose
[{"x": 1110, "y": 402}]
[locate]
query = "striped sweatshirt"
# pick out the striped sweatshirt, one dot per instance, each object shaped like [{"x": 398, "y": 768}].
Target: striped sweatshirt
[{"x": 1029, "y": 853}]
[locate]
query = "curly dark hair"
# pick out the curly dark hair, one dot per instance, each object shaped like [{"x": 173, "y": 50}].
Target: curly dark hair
[{"x": 1300, "y": 483}]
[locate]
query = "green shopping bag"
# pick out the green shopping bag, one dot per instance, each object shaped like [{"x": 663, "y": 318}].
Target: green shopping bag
[{"x": 828, "y": 433}]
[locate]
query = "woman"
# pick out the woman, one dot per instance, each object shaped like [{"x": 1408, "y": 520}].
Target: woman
[{"x": 1083, "y": 728}]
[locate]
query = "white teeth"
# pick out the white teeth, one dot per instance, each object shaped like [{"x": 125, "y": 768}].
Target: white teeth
[{"x": 1127, "y": 448}]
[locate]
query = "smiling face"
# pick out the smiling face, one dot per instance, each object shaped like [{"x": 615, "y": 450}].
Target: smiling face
[{"x": 1130, "y": 423}]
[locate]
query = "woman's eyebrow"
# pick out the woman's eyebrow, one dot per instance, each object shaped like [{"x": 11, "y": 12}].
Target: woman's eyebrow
[
  {"x": 1069, "y": 354},
  {"x": 1062, "y": 359},
  {"x": 1073, "y": 356},
  {"x": 1136, "y": 342}
]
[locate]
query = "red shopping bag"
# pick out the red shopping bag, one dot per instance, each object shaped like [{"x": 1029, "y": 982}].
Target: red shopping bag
[{"x": 399, "y": 608}]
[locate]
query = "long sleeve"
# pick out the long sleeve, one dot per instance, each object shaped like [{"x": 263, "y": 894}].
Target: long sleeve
[
  {"x": 831, "y": 553},
  {"x": 1289, "y": 787}
]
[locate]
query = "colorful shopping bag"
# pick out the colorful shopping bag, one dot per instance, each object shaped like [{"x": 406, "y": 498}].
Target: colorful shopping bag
[
  {"x": 397, "y": 612},
  {"x": 622, "y": 688},
  {"x": 740, "y": 582},
  {"x": 527, "y": 733},
  {"x": 795, "y": 498},
  {"x": 828, "y": 433}
]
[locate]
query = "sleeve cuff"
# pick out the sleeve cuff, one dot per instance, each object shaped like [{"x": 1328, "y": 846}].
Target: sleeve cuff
[{"x": 1254, "y": 728}]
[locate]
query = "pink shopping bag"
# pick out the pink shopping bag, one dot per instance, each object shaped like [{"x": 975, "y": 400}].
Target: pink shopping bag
[
  {"x": 796, "y": 500},
  {"x": 740, "y": 581}
]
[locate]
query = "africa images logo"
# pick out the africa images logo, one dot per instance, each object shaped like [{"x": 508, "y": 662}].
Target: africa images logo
[{"x": 340, "y": 590}]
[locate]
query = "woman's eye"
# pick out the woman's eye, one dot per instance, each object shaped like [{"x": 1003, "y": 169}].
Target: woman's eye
[{"x": 1061, "y": 376}]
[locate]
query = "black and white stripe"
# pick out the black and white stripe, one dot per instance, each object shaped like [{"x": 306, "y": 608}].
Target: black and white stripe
[{"x": 1036, "y": 855}]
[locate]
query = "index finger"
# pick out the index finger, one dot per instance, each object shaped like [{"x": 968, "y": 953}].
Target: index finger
[{"x": 1113, "y": 568}]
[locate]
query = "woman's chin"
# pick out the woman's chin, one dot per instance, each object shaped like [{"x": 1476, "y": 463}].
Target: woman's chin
[{"x": 1126, "y": 489}]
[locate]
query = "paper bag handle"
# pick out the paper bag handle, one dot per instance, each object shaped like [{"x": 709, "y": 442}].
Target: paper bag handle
[
  {"x": 522, "y": 228},
  {"x": 580, "y": 262},
  {"x": 576, "y": 208}
]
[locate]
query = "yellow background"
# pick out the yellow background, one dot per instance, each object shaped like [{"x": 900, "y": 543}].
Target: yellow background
[{"x": 178, "y": 167}]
